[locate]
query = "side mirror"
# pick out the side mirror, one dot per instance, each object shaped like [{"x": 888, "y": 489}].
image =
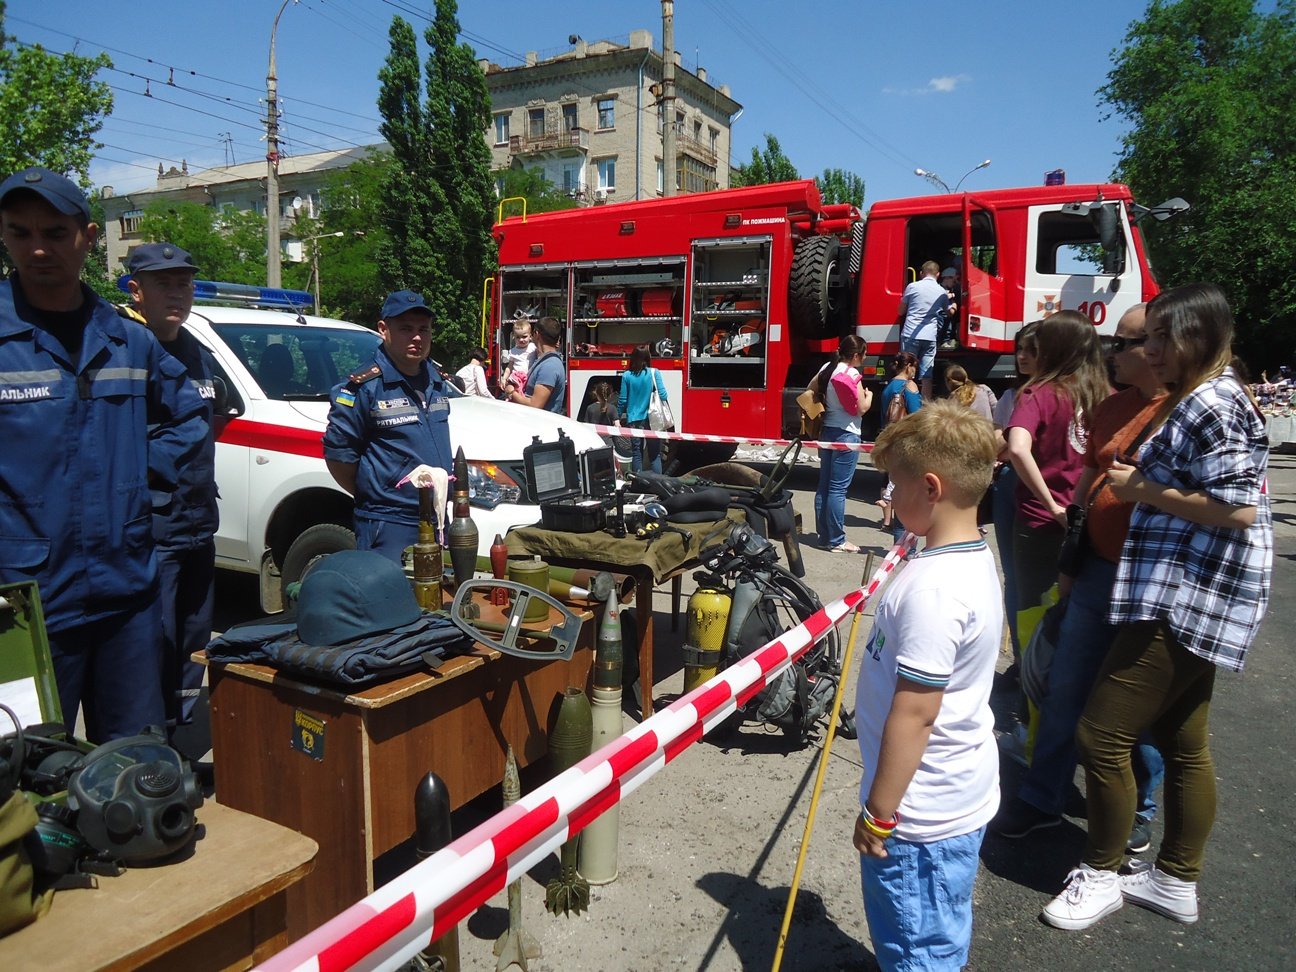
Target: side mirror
[
  {"x": 1106, "y": 223},
  {"x": 226, "y": 401}
]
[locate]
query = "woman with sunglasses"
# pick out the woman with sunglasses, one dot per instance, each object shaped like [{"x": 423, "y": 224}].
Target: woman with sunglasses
[{"x": 1190, "y": 591}]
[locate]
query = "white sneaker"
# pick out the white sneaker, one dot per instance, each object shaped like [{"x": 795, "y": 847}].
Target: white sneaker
[
  {"x": 1148, "y": 886},
  {"x": 1088, "y": 896}
]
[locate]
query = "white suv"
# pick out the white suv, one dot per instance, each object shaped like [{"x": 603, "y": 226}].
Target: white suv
[{"x": 279, "y": 507}]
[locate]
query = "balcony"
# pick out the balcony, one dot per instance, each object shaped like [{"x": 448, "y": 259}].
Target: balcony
[
  {"x": 688, "y": 145},
  {"x": 566, "y": 141}
]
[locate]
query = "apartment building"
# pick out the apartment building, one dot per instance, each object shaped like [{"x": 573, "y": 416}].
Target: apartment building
[
  {"x": 591, "y": 120},
  {"x": 236, "y": 187}
]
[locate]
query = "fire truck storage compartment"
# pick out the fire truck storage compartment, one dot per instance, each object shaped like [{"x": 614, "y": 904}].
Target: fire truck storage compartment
[
  {"x": 729, "y": 318},
  {"x": 531, "y": 293},
  {"x": 622, "y": 303}
]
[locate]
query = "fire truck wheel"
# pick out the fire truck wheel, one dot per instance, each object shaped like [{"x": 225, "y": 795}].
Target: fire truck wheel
[
  {"x": 681, "y": 457},
  {"x": 313, "y": 543},
  {"x": 810, "y": 299}
]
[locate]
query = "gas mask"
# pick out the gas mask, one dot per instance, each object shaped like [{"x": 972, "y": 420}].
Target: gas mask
[{"x": 135, "y": 799}]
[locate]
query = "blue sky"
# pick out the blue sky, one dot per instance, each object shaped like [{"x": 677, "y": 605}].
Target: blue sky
[{"x": 876, "y": 88}]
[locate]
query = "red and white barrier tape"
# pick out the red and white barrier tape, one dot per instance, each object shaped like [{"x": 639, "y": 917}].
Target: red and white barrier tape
[
  {"x": 626, "y": 430},
  {"x": 390, "y": 926}
]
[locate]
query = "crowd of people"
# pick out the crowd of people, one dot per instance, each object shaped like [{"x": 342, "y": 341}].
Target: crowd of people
[{"x": 1147, "y": 509}]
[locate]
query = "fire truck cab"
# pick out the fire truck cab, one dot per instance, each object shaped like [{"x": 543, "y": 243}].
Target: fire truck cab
[{"x": 743, "y": 294}]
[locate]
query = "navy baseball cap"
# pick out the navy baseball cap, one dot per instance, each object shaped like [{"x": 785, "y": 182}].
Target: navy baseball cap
[
  {"x": 402, "y": 302},
  {"x": 159, "y": 256},
  {"x": 57, "y": 190},
  {"x": 353, "y": 594}
]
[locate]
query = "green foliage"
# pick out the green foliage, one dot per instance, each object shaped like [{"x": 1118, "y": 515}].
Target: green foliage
[
  {"x": 51, "y": 106},
  {"x": 771, "y": 165},
  {"x": 437, "y": 202},
  {"x": 351, "y": 204},
  {"x": 227, "y": 245},
  {"x": 1207, "y": 87},
  {"x": 840, "y": 186},
  {"x": 542, "y": 196}
]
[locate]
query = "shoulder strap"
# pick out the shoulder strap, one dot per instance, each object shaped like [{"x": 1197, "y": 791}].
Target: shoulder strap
[
  {"x": 130, "y": 314},
  {"x": 358, "y": 378}
]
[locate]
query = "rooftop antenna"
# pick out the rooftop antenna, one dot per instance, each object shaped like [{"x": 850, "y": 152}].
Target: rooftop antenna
[{"x": 228, "y": 139}]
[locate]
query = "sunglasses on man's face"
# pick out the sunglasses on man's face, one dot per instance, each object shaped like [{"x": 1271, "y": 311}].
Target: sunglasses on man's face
[{"x": 1118, "y": 344}]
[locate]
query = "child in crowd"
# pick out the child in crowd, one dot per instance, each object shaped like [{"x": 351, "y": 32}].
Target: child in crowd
[
  {"x": 926, "y": 732},
  {"x": 520, "y": 357}
]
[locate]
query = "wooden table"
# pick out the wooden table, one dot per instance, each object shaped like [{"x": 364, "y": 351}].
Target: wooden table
[
  {"x": 671, "y": 559},
  {"x": 225, "y": 907},
  {"x": 342, "y": 767}
]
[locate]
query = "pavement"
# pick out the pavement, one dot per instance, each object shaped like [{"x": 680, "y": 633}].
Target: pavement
[{"x": 709, "y": 845}]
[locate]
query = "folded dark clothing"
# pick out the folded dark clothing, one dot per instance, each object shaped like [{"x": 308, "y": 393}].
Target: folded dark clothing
[{"x": 410, "y": 648}]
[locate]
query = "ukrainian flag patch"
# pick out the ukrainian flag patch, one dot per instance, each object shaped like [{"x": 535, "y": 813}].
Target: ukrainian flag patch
[{"x": 345, "y": 398}]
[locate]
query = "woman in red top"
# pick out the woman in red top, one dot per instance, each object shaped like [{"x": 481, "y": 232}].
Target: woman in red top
[{"x": 1046, "y": 442}]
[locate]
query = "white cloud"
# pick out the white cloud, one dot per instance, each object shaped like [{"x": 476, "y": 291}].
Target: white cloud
[
  {"x": 947, "y": 83},
  {"x": 944, "y": 84}
]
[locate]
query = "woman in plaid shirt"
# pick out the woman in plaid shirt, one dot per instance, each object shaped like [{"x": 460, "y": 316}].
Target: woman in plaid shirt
[{"x": 1190, "y": 592}]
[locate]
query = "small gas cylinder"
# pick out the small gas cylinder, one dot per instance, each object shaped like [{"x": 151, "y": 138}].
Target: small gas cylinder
[{"x": 708, "y": 613}]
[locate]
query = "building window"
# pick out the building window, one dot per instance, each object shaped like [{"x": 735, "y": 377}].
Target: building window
[
  {"x": 691, "y": 175},
  {"x": 569, "y": 117},
  {"x": 607, "y": 174},
  {"x": 697, "y": 132},
  {"x": 661, "y": 177},
  {"x": 715, "y": 141},
  {"x": 130, "y": 221},
  {"x": 679, "y": 123},
  {"x": 571, "y": 176},
  {"x": 661, "y": 117},
  {"x": 606, "y": 113},
  {"x": 535, "y": 122},
  {"x": 502, "y": 129}
]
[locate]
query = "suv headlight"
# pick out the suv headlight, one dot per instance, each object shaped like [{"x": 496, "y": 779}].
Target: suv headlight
[{"x": 489, "y": 485}]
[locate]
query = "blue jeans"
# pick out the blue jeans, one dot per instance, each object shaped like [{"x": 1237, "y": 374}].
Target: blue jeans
[
  {"x": 1083, "y": 642},
  {"x": 639, "y": 447},
  {"x": 918, "y": 901},
  {"x": 836, "y": 471},
  {"x": 1005, "y": 511},
  {"x": 924, "y": 351}
]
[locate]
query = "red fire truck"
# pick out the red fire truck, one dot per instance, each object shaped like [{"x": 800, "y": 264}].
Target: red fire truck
[{"x": 742, "y": 294}]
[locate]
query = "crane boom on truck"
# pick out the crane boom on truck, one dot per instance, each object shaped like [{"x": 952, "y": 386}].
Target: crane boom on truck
[{"x": 742, "y": 294}]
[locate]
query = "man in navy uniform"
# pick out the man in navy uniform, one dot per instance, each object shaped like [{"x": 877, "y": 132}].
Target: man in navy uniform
[
  {"x": 80, "y": 389},
  {"x": 184, "y": 522},
  {"x": 385, "y": 422}
]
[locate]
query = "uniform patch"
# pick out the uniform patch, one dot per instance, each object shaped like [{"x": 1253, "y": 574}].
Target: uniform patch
[
  {"x": 396, "y": 420},
  {"x": 345, "y": 398},
  {"x": 29, "y": 393},
  {"x": 384, "y": 403}
]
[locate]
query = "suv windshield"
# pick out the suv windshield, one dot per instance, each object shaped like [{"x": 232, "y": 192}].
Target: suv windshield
[{"x": 295, "y": 363}]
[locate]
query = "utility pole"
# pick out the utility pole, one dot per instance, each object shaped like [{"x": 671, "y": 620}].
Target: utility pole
[
  {"x": 274, "y": 276},
  {"x": 668, "y": 97}
]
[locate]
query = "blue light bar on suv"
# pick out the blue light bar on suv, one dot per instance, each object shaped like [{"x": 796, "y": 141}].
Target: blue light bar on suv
[{"x": 243, "y": 295}]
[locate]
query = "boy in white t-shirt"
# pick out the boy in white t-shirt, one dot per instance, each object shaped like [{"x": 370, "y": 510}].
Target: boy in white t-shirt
[{"x": 931, "y": 767}]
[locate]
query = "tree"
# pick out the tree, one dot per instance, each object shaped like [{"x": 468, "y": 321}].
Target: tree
[
  {"x": 770, "y": 165},
  {"x": 1207, "y": 87},
  {"x": 351, "y": 202},
  {"x": 438, "y": 199},
  {"x": 228, "y": 245},
  {"x": 542, "y": 196},
  {"x": 840, "y": 186},
  {"x": 50, "y": 107}
]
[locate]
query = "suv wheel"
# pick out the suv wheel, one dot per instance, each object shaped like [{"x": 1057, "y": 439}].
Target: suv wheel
[{"x": 313, "y": 543}]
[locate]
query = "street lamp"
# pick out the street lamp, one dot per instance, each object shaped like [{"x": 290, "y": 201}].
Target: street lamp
[
  {"x": 936, "y": 180},
  {"x": 933, "y": 178},
  {"x": 274, "y": 275},
  {"x": 314, "y": 251},
  {"x": 969, "y": 172}
]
